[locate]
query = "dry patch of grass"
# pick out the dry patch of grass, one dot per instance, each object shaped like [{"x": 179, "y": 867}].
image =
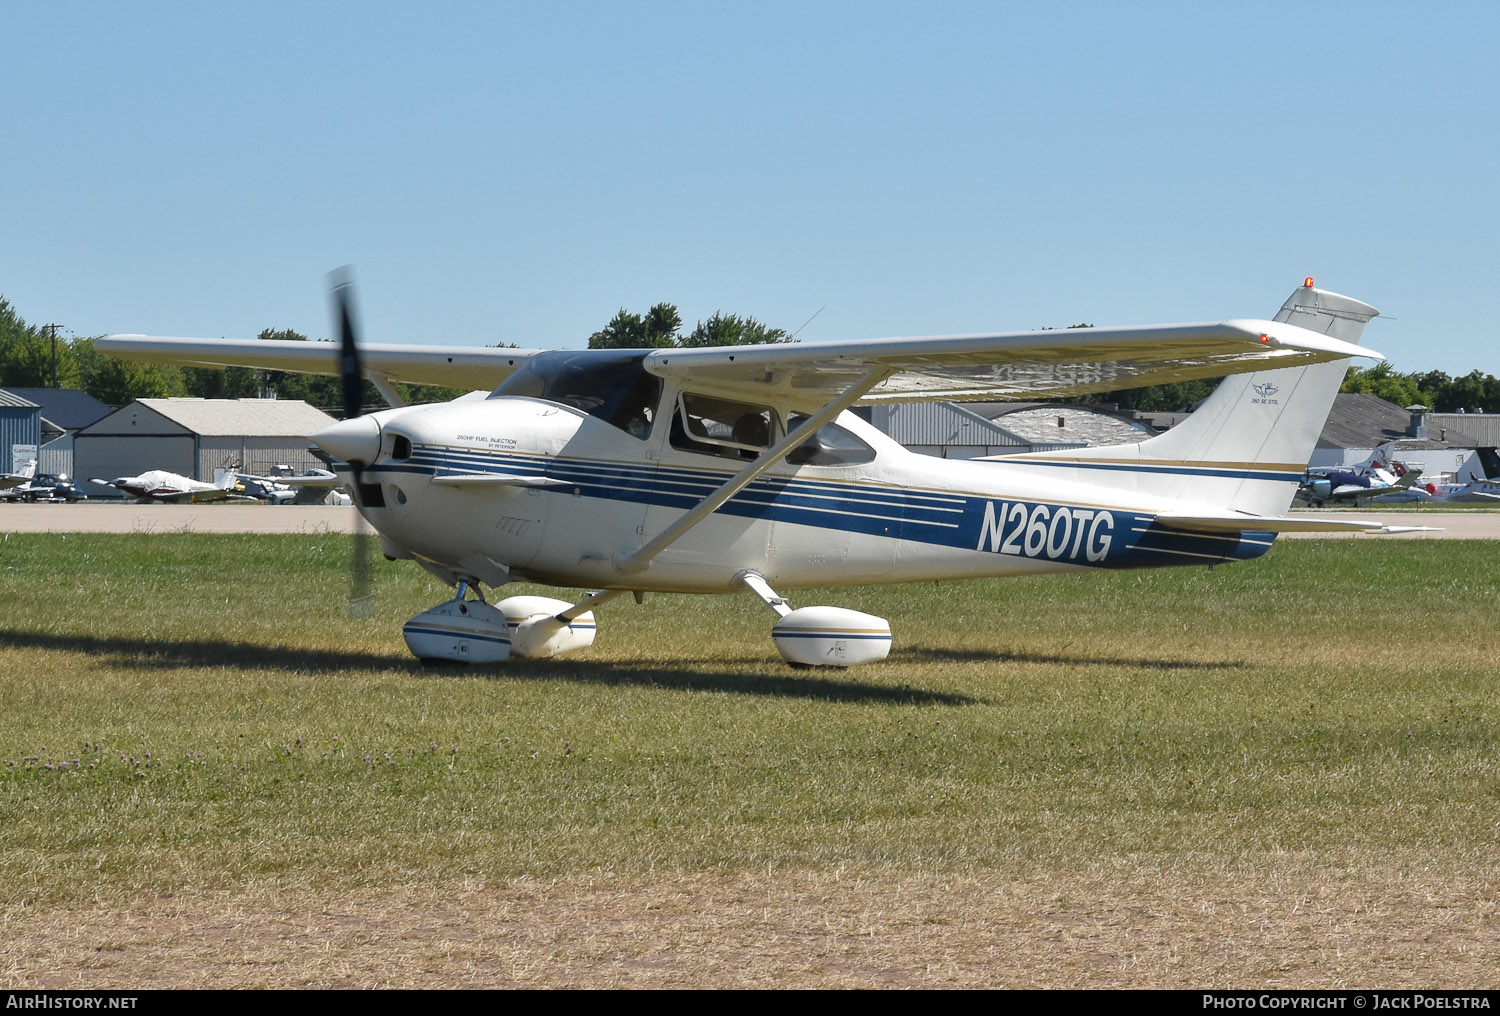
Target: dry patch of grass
[
  {"x": 1291, "y": 924},
  {"x": 1282, "y": 773}
]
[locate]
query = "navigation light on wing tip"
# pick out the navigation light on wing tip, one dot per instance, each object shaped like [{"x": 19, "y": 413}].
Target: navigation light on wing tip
[{"x": 1308, "y": 282}]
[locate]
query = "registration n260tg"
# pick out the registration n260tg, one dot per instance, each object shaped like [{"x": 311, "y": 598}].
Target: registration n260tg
[{"x": 1055, "y": 532}]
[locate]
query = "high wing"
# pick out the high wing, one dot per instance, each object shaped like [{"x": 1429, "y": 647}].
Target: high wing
[
  {"x": 1014, "y": 365},
  {"x": 451, "y": 366},
  {"x": 314, "y": 478},
  {"x": 1009, "y": 365}
]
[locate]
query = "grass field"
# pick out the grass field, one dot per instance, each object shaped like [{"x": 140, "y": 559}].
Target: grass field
[{"x": 1278, "y": 773}]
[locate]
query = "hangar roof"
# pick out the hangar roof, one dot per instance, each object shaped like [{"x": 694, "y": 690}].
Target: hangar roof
[
  {"x": 69, "y": 408},
  {"x": 1484, "y": 428},
  {"x": 1362, "y": 420},
  {"x": 230, "y": 417},
  {"x": 13, "y": 401},
  {"x": 215, "y": 418}
]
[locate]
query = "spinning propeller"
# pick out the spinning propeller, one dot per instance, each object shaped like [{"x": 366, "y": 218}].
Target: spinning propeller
[{"x": 352, "y": 379}]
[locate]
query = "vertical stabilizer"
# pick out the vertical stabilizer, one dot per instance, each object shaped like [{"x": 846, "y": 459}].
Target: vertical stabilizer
[{"x": 1246, "y": 446}]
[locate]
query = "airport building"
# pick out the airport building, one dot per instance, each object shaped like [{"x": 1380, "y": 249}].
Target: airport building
[
  {"x": 1359, "y": 423},
  {"x": 975, "y": 429},
  {"x": 64, "y": 412},
  {"x": 1442, "y": 445},
  {"x": 950, "y": 430},
  {"x": 193, "y": 437},
  {"x": 20, "y": 430}
]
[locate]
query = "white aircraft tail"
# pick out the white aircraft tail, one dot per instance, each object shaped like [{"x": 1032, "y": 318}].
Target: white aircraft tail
[
  {"x": 1245, "y": 449},
  {"x": 28, "y": 470},
  {"x": 1383, "y": 460}
]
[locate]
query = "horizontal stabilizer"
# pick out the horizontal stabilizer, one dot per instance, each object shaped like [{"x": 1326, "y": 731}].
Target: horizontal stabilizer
[{"x": 1237, "y": 523}]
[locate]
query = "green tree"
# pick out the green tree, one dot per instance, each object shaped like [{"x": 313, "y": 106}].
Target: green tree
[
  {"x": 116, "y": 382},
  {"x": 1170, "y": 398},
  {"x": 1472, "y": 392},
  {"x": 1383, "y": 380},
  {"x": 732, "y": 330},
  {"x": 656, "y": 329},
  {"x": 661, "y": 328},
  {"x": 26, "y": 354}
]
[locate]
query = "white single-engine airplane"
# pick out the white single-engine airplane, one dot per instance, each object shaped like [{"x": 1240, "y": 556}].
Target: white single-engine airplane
[
  {"x": 722, "y": 469},
  {"x": 160, "y": 485}
]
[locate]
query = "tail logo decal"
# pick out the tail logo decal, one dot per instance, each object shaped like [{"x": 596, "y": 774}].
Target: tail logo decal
[{"x": 1265, "y": 392}]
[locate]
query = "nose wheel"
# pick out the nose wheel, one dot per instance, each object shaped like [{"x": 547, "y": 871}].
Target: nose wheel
[{"x": 459, "y": 630}]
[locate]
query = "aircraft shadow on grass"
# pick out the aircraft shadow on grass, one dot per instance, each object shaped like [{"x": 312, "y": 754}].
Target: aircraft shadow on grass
[
  {"x": 933, "y": 654},
  {"x": 172, "y": 654}
]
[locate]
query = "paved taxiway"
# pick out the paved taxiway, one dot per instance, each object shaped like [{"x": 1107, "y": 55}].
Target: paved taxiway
[
  {"x": 178, "y": 518},
  {"x": 239, "y": 518}
]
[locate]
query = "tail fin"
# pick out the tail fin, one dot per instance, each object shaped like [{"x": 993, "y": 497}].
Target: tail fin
[
  {"x": 1246, "y": 447},
  {"x": 1383, "y": 457},
  {"x": 1489, "y": 463},
  {"x": 28, "y": 470}
]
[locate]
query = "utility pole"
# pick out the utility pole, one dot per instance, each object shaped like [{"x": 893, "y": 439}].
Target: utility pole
[{"x": 53, "y": 329}]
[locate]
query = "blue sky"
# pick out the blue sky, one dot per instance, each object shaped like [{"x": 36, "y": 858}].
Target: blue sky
[{"x": 517, "y": 173}]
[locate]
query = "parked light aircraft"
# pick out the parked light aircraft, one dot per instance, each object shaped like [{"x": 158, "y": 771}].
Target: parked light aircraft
[
  {"x": 1378, "y": 475},
  {"x": 727, "y": 469},
  {"x": 160, "y": 485},
  {"x": 1481, "y": 487},
  {"x": 281, "y": 487},
  {"x": 9, "y": 480},
  {"x": 263, "y": 488},
  {"x": 29, "y": 485},
  {"x": 1473, "y": 492}
]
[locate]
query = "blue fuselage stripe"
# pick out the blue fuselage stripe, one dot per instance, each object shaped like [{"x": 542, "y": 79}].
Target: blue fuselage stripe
[{"x": 1040, "y": 530}]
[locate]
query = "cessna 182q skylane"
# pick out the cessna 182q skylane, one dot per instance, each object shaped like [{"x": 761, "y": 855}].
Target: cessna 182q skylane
[{"x": 738, "y": 468}]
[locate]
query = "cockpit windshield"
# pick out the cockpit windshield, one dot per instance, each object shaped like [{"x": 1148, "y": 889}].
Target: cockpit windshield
[{"x": 612, "y": 385}]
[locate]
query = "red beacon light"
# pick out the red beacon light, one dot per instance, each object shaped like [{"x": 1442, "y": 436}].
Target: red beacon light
[
  {"x": 1308, "y": 282},
  {"x": 1265, "y": 338}
]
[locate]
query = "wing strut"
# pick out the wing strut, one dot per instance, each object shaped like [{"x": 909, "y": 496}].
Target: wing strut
[
  {"x": 585, "y": 605},
  {"x": 639, "y": 558},
  {"x": 382, "y": 383}
]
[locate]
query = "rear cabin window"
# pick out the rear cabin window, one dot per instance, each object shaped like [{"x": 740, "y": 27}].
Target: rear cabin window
[
  {"x": 715, "y": 426},
  {"x": 832, "y": 445},
  {"x": 609, "y": 384}
]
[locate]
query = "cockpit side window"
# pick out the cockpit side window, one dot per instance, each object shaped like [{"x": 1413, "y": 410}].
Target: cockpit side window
[
  {"x": 830, "y": 446},
  {"x": 715, "y": 426},
  {"x": 611, "y": 385}
]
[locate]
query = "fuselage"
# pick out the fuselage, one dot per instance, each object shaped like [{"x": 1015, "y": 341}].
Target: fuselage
[{"x": 521, "y": 487}]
